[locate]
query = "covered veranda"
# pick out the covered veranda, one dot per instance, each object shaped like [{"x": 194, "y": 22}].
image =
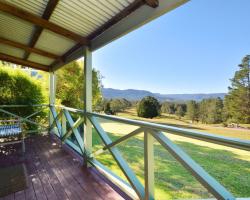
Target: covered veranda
[{"x": 46, "y": 35}]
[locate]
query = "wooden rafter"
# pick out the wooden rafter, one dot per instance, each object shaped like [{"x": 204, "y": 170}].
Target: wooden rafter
[
  {"x": 28, "y": 49},
  {"x": 64, "y": 56},
  {"x": 128, "y": 10},
  {"x": 20, "y": 61},
  {"x": 38, "y": 30},
  {"x": 152, "y": 3},
  {"x": 34, "y": 19}
]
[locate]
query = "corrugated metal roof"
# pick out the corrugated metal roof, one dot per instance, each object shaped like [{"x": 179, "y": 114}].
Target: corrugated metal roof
[
  {"x": 84, "y": 17},
  {"x": 12, "y": 51},
  {"x": 40, "y": 59},
  {"x": 36, "y": 7},
  {"x": 52, "y": 42},
  {"x": 80, "y": 18},
  {"x": 125, "y": 3},
  {"x": 15, "y": 29}
]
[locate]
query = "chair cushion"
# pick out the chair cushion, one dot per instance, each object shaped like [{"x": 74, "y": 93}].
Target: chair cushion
[{"x": 10, "y": 130}]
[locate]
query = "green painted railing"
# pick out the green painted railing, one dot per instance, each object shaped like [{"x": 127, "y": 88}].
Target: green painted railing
[
  {"x": 64, "y": 126},
  {"x": 26, "y": 119}
]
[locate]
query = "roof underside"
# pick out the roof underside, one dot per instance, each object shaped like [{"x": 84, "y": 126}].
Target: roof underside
[{"x": 46, "y": 34}]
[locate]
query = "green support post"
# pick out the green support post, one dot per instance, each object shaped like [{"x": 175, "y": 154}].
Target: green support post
[
  {"x": 149, "y": 165},
  {"x": 87, "y": 101},
  {"x": 52, "y": 90}
]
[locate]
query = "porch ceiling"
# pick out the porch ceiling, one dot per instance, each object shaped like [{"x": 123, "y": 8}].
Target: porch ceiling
[{"x": 46, "y": 34}]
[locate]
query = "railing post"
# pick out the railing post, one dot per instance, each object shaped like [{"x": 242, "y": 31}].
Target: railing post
[
  {"x": 63, "y": 131},
  {"x": 87, "y": 99},
  {"x": 52, "y": 92},
  {"x": 149, "y": 165}
]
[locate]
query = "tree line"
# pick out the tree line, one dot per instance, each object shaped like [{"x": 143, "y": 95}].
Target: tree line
[
  {"x": 113, "y": 106},
  {"x": 210, "y": 111},
  {"x": 206, "y": 111},
  {"x": 235, "y": 108}
]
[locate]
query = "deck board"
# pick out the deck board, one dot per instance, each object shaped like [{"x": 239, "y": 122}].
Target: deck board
[{"x": 55, "y": 174}]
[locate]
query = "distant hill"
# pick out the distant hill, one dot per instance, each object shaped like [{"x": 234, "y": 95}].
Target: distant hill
[{"x": 131, "y": 94}]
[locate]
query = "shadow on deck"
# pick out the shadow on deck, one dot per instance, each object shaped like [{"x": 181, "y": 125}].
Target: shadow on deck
[{"x": 54, "y": 173}]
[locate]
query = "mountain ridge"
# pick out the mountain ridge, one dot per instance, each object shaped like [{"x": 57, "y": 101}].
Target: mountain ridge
[{"x": 135, "y": 94}]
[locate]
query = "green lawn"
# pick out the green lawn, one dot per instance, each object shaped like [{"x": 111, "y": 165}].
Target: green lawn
[{"x": 229, "y": 166}]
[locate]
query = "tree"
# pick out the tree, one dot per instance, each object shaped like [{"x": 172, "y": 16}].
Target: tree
[
  {"x": 214, "y": 111},
  {"x": 211, "y": 111},
  {"x": 112, "y": 106},
  {"x": 167, "y": 107},
  {"x": 148, "y": 107},
  {"x": 219, "y": 107},
  {"x": 70, "y": 85},
  {"x": 180, "y": 110},
  {"x": 125, "y": 103},
  {"x": 116, "y": 105},
  {"x": 192, "y": 110},
  {"x": 203, "y": 105},
  {"x": 237, "y": 102},
  {"x": 99, "y": 106},
  {"x": 107, "y": 108}
]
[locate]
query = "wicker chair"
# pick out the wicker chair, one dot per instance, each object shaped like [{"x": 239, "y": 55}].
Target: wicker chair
[{"x": 11, "y": 133}]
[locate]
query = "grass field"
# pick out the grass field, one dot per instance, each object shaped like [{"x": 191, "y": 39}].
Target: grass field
[
  {"x": 229, "y": 166},
  {"x": 182, "y": 123}
]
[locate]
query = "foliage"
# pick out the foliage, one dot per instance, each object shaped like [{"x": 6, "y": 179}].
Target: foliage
[
  {"x": 237, "y": 102},
  {"x": 125, "y": 103},
  {"x": 148, "y": 107},
  {"x": 180, "y": 110},
  {"x": 211, "y": 111},
  {"x": 18, "y": 88},
  {"x": 192, "y": 110},
  {"x": 107, "y": 110},
  {"x": 118, "y": 105},
  {"x": 70, "y": 85},
  {"x": 207, "y": 111},
  {"x": 113, "y": 106},
  {"x": 167, "y": 107},
  {"x": 99, "y": 106}
]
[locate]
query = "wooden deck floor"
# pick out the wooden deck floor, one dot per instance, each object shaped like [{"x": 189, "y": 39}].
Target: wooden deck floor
[{"x": 53, "y": 173}]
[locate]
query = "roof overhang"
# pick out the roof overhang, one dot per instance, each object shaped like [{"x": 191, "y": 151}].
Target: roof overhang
[{"x": 46, "y": 36}]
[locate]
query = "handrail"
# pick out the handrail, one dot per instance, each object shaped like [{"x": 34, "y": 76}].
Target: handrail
[
  {"x": 26, "y": 118},
  {"x": 151, "y": 131},
  {"x": 75, "y": 110},
  {"x": 16, "y": 106},
  {"x": 21, "y": 118},
  {"x": 154, "y": 130},
  {"x": 208, "y": 137}
]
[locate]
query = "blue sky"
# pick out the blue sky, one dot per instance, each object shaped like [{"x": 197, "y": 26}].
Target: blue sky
[{"x": 194, "y": 49}]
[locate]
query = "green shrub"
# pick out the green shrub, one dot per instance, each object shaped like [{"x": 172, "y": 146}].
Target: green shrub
[
  {"x": 18, "y": 88},
  {"x": 148, "y": 107},
  {"x": 107, "y": 110}
]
